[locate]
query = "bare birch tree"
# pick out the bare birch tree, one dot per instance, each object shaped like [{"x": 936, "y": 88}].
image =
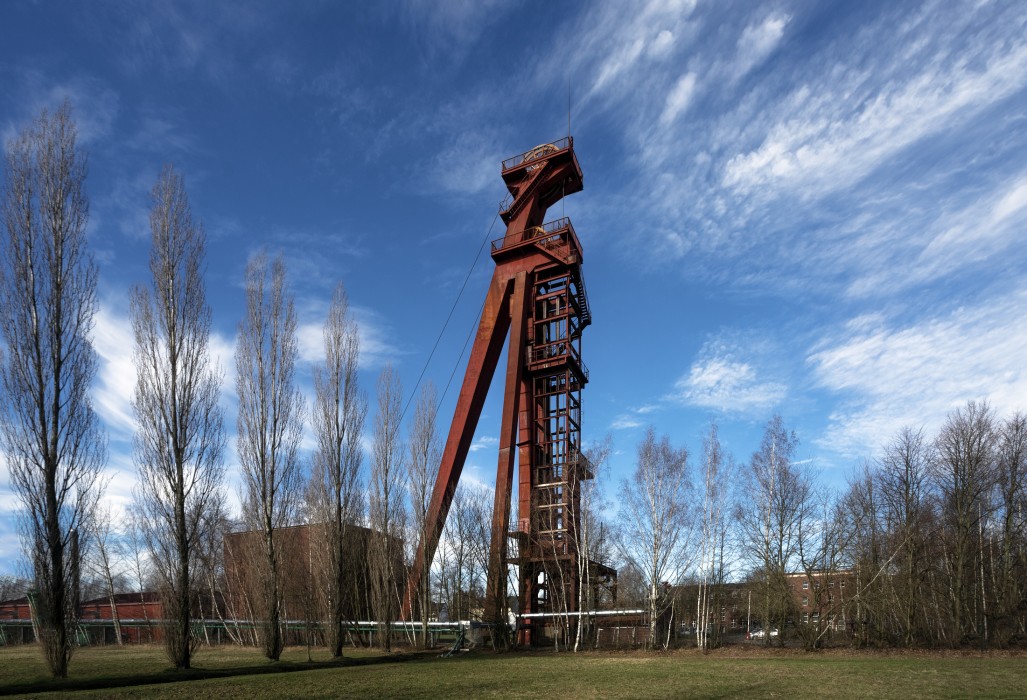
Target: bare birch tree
[
  {"x": 386, "y": 511},
  {"x": 589, "y": 536},
  {"x": 54, "y": 442},
  {"x": 422, "y": 466},
  {"x": 655, "y": 523},
  {"x": 269, "y": 425},
  {"x": 717, "y": 477},
  {"x": 179, "y": 442},
  {"x": 334, "y": 491}
]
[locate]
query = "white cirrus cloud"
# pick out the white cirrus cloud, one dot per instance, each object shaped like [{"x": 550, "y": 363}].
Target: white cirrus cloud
[
  {"x": 485, "y": 442},
  {"x": 730, "y": 386},
  {"x": 625, "y": 422},
  {"x": 757, "y": 42},
  {"x": 679, "y": 98},
  {"x": 375, "y": 347},
  {"x": 914, "y": 374},
  {"x": 116, "y": 377},
  {"x": 826, "y": 139},
  {"x": 720, "y": 379}
]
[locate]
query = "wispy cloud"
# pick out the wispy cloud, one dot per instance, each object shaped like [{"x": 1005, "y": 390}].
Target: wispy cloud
[
  {"x": 890, "y": 375},
  {"x": 484, "y": 442},
  {"x": 820, "y": 141},
  {"x": 95, "y": 104},
  {"x": 116, "y": 378},
  {"x": 968, "y": 229},
  {"x": 375, "y": 347},
  {"x": 625, "y": 421},
  {"x": 725, "y": 385},
  {"x": 450, "y": 26},
  {"x": 834, "y": 162},
  {"x": 722, "y": 379},
  {"x": 679, "y": 98},
  {"x": 757, "y": 42}
]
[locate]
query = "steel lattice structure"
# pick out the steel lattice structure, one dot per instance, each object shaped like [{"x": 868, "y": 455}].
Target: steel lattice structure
[{"x": 537, "y": 298}]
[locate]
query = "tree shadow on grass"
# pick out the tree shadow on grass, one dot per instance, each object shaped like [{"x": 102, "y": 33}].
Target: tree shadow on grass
[{"x": 199, "y": 674}]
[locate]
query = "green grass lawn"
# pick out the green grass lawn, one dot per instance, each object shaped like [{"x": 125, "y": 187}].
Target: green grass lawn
[{"x": 232, "y": 672}]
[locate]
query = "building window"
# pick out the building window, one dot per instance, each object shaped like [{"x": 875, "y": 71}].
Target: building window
[
  {"x": 805, "y": 600},
  {"x": 805, "y": 585},
  {"x": 843, "y": 584},
  {"x": 805, "y": 617},
  {"x": 830, "y": 598},
  {"x": 830, "y": 584}
]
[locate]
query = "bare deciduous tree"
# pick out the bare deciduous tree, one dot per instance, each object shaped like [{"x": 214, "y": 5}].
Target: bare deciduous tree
[
  {"x": 1011, "y": 570},
  {"x": 965, "y": 473},
  {"x": 179, "y": 443},
  {"x": 53, "y": 440},
  {"x": 105, "y": 562},
  {"x": 269, "y": 425},
  {"x": 775, "y": 494},
  {"x": 717, "y": 477},
  {"x": 904, "y": 486},
  {"x": 655, "y": 527},
  {"x": 12, "y": 587},
  {"x": 465, "y": 539},
  {"x": 385, "y": 503},
  {"x": 422, "y": 466},
  {"x": 334, "y": 491},
  {"x": 590, "y": 541}
]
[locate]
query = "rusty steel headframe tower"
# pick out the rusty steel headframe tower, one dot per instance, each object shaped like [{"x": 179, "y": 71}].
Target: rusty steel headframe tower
[{"x": 537, "y": 297}]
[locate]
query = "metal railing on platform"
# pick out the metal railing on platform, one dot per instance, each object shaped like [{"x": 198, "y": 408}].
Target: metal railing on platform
[
  {"x": 538, "y": 152},
  {"x": 540, "y": 235}
]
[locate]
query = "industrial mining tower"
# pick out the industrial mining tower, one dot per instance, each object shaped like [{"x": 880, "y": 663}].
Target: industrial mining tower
[{"x": 537, "y": 297}]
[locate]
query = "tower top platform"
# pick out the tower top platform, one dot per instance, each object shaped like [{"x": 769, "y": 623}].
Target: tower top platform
[{"x": 537, "y": 179}]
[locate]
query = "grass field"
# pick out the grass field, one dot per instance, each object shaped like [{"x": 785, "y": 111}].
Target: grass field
[{"x": 232, "y": 672}]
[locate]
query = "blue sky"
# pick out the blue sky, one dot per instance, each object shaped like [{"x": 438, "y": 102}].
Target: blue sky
[{"x": 815, "y": 209}]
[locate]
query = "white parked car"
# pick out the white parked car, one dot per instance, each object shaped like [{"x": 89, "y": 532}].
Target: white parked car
[{"x": 758, "y": 633}]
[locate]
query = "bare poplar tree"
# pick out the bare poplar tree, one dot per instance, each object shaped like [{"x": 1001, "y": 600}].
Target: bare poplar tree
[
  {"x": 334, "y": 491},
  {"x": 179, "y": 442},
  {"x": 269, "y": 425},
  {"x": 655, "y": 527},
  {"x": 386, "y": 511},
  {"x": 422, "y": 465},
  {"x": 53, "y": 440}
]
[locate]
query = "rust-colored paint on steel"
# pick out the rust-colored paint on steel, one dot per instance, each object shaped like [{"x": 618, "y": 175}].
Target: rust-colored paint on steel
[
  {"x": 496, "y": 577},
  {"x": 528, "y": 258}
]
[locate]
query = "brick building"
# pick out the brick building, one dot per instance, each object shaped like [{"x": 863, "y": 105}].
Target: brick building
[
  {"x": 139, "y": 616},
  {"x": 302, "y": 549}
]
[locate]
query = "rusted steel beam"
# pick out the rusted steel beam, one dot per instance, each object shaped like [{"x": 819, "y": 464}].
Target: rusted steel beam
[
  {"x": 495, "y": 598},
  {"x": 481, "y": 366}
]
